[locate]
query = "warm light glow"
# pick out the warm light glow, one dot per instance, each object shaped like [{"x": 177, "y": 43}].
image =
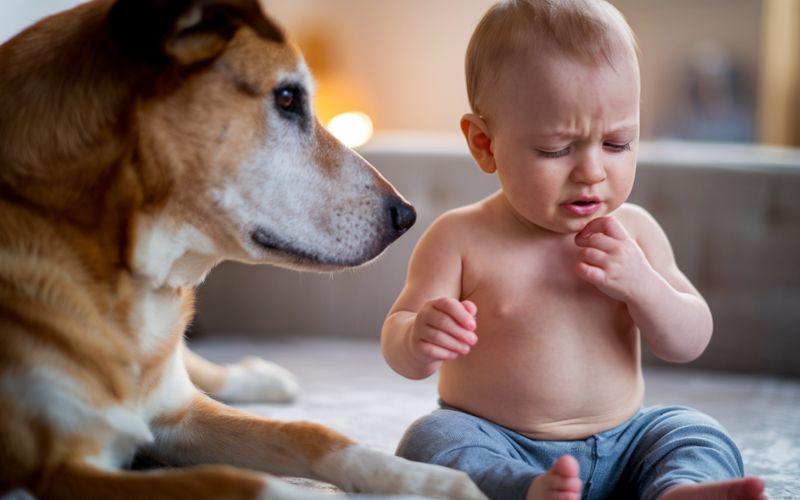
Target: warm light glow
[{"x": 353, "y": 128}]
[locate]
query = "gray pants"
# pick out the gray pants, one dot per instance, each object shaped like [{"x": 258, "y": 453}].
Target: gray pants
[{"x": 656, "y": 449}]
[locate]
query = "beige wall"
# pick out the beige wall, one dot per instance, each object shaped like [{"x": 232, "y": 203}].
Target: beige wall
[
  {"x": 779, "y": 92},
  {"x": 403, "y": 58},
  {"x": 407, "y": 56},
  {"x": 667, "y": 32}
]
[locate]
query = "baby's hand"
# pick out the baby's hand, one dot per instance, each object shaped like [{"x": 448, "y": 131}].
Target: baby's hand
[
  {"x": 444, "y": 329},
  {"x": 610, "y": 259}
]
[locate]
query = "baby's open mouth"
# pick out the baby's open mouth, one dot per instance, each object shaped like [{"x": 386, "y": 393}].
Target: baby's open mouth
[{"x": 582, "y": 208}]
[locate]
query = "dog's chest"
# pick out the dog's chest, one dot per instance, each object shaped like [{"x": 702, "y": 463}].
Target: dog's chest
[{"x": 158, "y": 318}]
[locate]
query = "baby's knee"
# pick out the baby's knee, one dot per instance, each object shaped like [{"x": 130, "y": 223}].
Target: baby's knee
[
  {"x": 433, "y": 435},
  {"x": 683, "y": 422},
  {"x": 470, "y": 444},
  {"x": 682, "y": 431}
]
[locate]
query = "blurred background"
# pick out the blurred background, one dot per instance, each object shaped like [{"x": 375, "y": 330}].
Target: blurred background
[
  {"x": 719, "y": 166},
  {"x": 722, "y": 70}
]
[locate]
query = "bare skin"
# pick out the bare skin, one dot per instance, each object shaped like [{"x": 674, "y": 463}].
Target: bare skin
[
  {"x": 749, "y": 488},
  {"x": 554, "y": 278},
  {"x": 562, "y": 482}
]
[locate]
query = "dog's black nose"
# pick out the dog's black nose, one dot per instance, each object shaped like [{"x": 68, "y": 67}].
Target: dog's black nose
[{"x": 403, "y": 216}]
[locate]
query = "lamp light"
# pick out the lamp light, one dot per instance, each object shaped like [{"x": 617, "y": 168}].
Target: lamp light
[{"x": 341, "y": 103}]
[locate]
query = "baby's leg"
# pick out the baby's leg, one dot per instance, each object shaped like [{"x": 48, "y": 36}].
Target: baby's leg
[
  {"x": 488, "y": 454},
  {"x": 561, "y": 482},
  {"x": 683, "y": 453}
]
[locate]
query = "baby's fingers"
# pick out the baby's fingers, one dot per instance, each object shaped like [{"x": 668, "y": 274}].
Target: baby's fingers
[
  {"x": 592, "y": 274},
  {"x": 445, "y": 341},
  {"x": 608, "y": 226},
  {"x": 437, "y": 352},
  {"x": 599, "y": 241},
  {"x": 445, "y": 331},
  {"x": 470, "y": 307},
  {"x": 458, "y": 312},
  {"x": 593, "y": 257}
]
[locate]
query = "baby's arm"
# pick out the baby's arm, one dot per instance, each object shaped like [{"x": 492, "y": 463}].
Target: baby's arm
[
  {"x": 428, "y": 323},
  {"x": 674, "y": 320}
]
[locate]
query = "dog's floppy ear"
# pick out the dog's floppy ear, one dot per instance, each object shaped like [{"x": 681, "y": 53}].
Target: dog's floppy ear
[{"x": 185, "y": 31}]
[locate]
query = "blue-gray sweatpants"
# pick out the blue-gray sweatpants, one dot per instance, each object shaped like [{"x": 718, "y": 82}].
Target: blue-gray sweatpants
[{"x": 658, "y": 448}]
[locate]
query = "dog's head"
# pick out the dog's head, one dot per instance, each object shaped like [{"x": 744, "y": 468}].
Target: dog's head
[{"x": 238, "y": 165}]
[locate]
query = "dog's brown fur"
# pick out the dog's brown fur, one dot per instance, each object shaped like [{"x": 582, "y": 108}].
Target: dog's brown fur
[{"x": 135, "y": 137}]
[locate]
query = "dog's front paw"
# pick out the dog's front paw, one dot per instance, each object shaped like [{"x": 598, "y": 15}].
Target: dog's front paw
[
  {"x": 436, "y": 481},
  {"x": 357, "y": 468},
  {"x": 253, "y": 380}
]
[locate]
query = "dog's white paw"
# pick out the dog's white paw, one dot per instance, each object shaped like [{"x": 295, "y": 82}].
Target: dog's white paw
[
  {"x": 357, "y": 468},
  {"x": 358, "y": 496},
  {"x": 435, "y": 481},
  {"x": 276, "y": 489},
  {"x": 253, "y": 380},
  {"x": 280, "y": 490}
]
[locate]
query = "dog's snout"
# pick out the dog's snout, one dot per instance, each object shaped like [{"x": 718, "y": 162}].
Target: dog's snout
[{"x": 402, "y": 216}]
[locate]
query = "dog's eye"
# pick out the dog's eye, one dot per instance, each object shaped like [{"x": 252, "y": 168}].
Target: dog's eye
[
  {"x": 284, "y": 98},
  {"x": 291, "y": 102},
  {"x": 289, "y": 99}
]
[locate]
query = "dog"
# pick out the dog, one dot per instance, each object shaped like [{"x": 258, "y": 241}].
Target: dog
[{"x": 141, "y": 143}]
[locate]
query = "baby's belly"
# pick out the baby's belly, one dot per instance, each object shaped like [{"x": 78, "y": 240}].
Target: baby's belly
[{"x": 523, "y": 385}]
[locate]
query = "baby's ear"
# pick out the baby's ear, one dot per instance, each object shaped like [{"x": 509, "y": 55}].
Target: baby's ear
[{"x": 476, "y": 132}]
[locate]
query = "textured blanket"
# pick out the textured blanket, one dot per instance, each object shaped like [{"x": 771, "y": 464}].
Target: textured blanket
[{"x": 347, "y": 386}]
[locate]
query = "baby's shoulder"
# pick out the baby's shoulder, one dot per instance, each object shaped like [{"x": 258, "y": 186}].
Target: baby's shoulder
[
  {"x": 474, "y": 215},
  {"x": 635, "y": 218},
  {"x": 460, "y": 224},
  {"x": 645, "y": 230}
]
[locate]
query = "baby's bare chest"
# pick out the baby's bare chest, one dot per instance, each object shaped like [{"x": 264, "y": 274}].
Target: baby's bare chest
[{"x": 526, "y": 292}]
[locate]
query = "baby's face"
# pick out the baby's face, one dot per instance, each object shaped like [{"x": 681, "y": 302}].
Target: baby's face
[{"x": 565, "y": 137}]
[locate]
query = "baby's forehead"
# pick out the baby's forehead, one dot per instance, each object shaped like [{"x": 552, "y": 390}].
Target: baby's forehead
[
  {"x": 620, "y": 58},
  {"x": 529, "y": 67},
  {"x": 548, "y": 84}
]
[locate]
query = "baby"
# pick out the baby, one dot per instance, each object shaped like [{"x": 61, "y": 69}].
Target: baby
[{"x": 532, "y": 303}]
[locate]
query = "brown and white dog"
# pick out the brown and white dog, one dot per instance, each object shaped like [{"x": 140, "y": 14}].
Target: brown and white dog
[{"x": 141, "y": 143}]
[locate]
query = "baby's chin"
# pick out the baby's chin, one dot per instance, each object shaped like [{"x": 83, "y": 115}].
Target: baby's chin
[
  {"x": 575, "y": 226},
  {"x": 578, "y": 224},
  {"x": 562, "y": 229}
]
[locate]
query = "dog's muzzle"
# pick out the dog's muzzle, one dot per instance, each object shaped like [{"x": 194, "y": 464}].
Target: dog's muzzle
[{"x": 395, "y": 219}]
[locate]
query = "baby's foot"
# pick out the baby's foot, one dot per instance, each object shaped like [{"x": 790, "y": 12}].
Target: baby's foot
[
  {"x": 748, "y": 488},
  {"x": 560, "y": 482}
]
